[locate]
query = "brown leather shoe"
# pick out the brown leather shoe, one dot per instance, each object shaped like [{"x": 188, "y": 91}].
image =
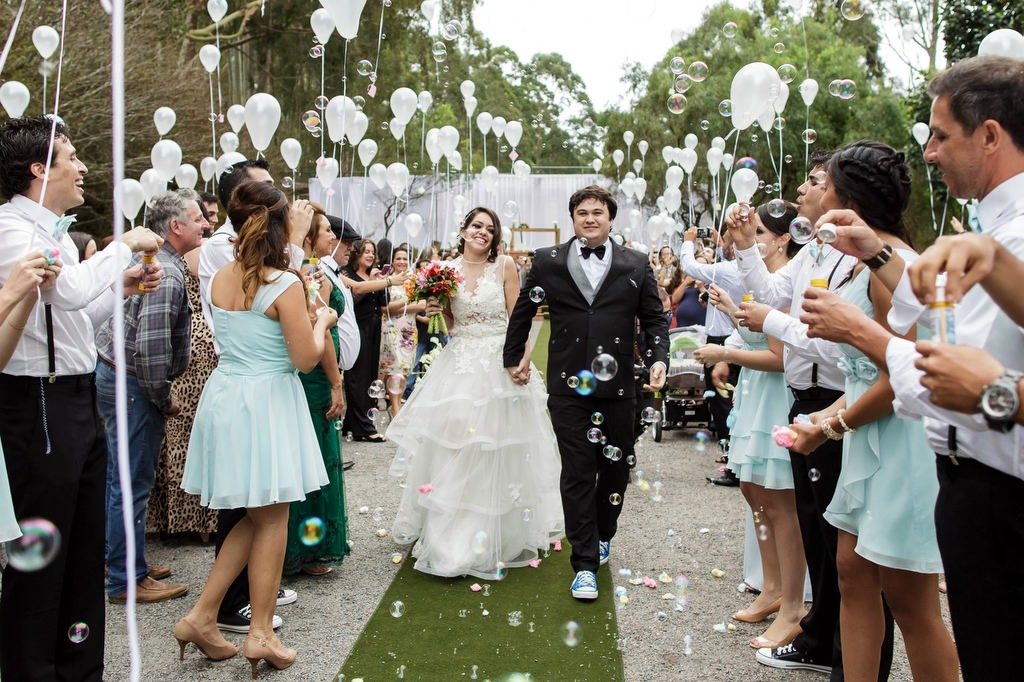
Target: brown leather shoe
[
  {"x": 150, "y": 591},
  {"x": 159, "y": 571}
]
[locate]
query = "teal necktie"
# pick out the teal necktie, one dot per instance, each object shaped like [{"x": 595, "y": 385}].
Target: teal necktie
[{"x": 60, "y": 228}]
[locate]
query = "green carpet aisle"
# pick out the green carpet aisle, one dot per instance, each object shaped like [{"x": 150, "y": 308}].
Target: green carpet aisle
[{"x": 445, "y": 629}]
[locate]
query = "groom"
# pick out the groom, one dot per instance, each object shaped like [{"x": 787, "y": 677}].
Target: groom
[{"x": 595, "y": 290}]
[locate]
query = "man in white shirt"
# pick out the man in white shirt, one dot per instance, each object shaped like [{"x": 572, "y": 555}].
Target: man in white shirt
[
  {"x": 348, "y": 330},
  {"x": 978, "y": 143},
  {"x": 55, "y": 451}
]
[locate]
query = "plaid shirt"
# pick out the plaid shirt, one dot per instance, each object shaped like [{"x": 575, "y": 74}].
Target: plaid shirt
[{"x": 157, "y": 331}]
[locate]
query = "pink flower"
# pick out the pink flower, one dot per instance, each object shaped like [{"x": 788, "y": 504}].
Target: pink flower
[
  {"x": 784, "y": 436},
  {"x": 558, "y": 545},
  {"x": 475, "y": 587},
  {"x": 535, "y": 563},
  {"x": 650, "y": 582},
  {"x": 426, "y": 488}
]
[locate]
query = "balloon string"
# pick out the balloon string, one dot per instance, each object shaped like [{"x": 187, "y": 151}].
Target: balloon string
[
  {"x": 945, "y": 207},
  {"x": 423, "y": 134},
  {"x": 213, "y": 120},
  {"x": 807, "y": 145},
  {"x": 220, "y": 98},
  {"x": 323, "y": 60},
  {"x": 771, "y": 157},
  {"x": 380, "y": 38},
  {"x": 484, "y": 145},
  {"x": 44, "y": 94},
  {"x": 10, "y": 36},
  {"x": 931, "y": 196},
  {"x": 728, "y": 179},
  {"x": 781, "y": 160},
  {"x": 469, "y": 136}
]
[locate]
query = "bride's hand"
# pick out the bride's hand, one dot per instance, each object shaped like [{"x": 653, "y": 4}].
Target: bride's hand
[{"x": 521, "y": 373}]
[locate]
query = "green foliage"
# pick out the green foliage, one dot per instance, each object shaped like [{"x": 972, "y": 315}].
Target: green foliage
[{"x": 968, "y": 21}]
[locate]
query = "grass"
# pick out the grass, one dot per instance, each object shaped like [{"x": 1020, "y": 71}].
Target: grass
[
  {"x": 540, "y": 347},
  {"x": 446, "y": 629}
]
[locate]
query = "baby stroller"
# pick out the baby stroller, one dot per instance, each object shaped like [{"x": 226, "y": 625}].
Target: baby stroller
[{"x": 682, "y": 402}]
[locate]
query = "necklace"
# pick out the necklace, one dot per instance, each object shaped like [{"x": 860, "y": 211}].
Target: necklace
[{"x": 473, "y": 262}]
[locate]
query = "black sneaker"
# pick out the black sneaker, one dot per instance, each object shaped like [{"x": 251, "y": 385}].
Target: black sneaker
[
  {"x": 790, "y": 658},
  {"x": 239, "y": 622},
  {"x": 727, "y": 478}
]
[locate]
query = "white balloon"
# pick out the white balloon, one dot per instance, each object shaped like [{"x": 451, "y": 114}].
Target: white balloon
[
  {"x": 322, "y": 24},
  {"x": 403, "y": 104},
  {"x": 236, "y": 117},
  {"x": 1003, "y": 42},
  {"x": 131, "y": 196},
  {"x": 638, "y": 165},
  {"x": 455, "y": 160},
  {"x": 643, "y": 146},
  {"x": 718, "y": 143},
  {"x": 673, "y": 176},
  {"x": 467, "y": 88},
  {"x": 339, "y": 114},
  {"x": 379, "y": 175},
  {"x": 808, "y": 91},
  {"x": 397, "y": 177},
  {"x": 744, "y": 184},
  {"x": 639, "y": 188},
  {"x": 327, "y": 171},
  {"x": 208, "y": 168},
  {"x": 596, "y": 165},
  {"x": 765, "y": 119},
  {"x": 483, "y": 122},
  {"x": 46, "y": 40},
  {"x": 413, "y": 224},
  {"x": 688, "y": 160},
  {"x": 489, "y": 177},
  {"x": 628, "y": 186},
  {"x": 514, "y": 133},
  {"x": 424, "y": 101},
  {"x": 628, "y": 138},
  {"x": 618, "y": 156},
  {"x": 714, "y": 158},
  {"x": 187, "y": 176},
  {"x": 673, "y": 199},
  {"x": 164, "y": 119},
  {"x": 921, "y": 133},
  {"x": 209, "y": 57},
  {"x": 433, "y": 144},
  {"x": 153, "y": 184},
  {"x": 357, "y": 128},
  {"x": 667, "y": 153},
  {"x": 690, "y": 141},
  {"x": 470, "y": 104},
  {"x": 367, "y": 150},
  {"x": 520, "y": 168},
  {"x": 397, "y": 129},
  {"x": 429, "y": 9},
  {"x": 498, "y": 126},
  {"x": 166, "y": 157},
  {"x": 346, "y": 15},
  {"x": 226, "y": 160},
  {"x": 754, "y": 87},
  {"x": 262, "y": 116},
  {"x": 780, "y": 102},
  {"x": 635, "y": 216},
  {"x": 228, "y": 142},
  {"x": 14, "y": 97},
  {"x": 217, "y": 9},
  {"x": 449, "y": 139},
  {"x": 291, "y": 152},
  {"x": 727, "y": 160}
]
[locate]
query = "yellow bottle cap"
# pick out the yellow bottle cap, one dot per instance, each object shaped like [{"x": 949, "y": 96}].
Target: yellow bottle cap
[
  {"x": 313, "y": 260},
  {"x": 748, "y": 297},
  {"x": 819, "y": 283}
]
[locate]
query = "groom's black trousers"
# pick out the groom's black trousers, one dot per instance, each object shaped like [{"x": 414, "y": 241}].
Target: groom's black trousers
[{"x": 590, "y": 481}]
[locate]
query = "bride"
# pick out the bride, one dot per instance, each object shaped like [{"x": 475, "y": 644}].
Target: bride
[{"x": 477, "y": 450}]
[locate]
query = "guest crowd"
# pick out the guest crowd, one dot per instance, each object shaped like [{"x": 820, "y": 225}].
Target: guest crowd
[{"x": 869, "y": 393}]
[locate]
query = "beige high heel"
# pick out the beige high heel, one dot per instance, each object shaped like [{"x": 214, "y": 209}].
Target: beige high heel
[
  {"x": 263, "y": 652},
  {"x": 186, "y": 634}
]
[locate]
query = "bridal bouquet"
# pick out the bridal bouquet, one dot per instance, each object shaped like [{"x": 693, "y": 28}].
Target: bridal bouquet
[{"x": 437, "y": 280}]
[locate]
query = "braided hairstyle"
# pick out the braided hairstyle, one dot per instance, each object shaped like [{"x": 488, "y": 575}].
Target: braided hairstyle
[{"x": 872, "y": 179}]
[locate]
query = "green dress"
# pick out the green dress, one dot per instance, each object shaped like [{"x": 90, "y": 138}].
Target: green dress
[{"x": 318, "y": 525}]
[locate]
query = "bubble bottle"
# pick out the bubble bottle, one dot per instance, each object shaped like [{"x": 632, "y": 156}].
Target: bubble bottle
[
  {"x": 942, "y": 314},
  {"x": 819, "y": 283},
  {"x": 148, "y": 258}
]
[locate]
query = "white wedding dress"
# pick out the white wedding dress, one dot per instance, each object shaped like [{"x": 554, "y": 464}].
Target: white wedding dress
[{"x": 477, "y": 451}]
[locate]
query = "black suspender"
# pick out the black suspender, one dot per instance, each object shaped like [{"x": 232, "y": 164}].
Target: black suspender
[{"x": 51, "y": 355}]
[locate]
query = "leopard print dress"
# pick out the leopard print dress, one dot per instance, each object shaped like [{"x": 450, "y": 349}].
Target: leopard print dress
[{"x": 171, "y": 509}]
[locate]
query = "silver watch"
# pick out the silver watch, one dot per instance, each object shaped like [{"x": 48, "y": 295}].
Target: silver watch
[{"x": 1000, "y": 402}]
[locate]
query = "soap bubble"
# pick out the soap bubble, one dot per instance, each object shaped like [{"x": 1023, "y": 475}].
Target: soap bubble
[
  {"x": 359, "y": 101},
  {"x": 682, "y": 83},
  {"x": 372, "y": 413},
  {"x": 698, "y": 71},
  {"x": 677, "y": 65},
  {"x": 676, "y": 103},
  {"x": 779, "y": 123},
  {"x": 604, "y": 367},
  {"x": 649, "y": 415},
  {"x": 788, "y": 158},
  {"x": 376, "y": 389},
  {"x": 316, "y": 51},
  {"x": 439, "y": 51},
  {"x": 78, "y": 633},
  {"x": 725, "y": 107},
  {"x": 451, "y": 30},
  {"x": 705, "y": 124},
  {"x": 729, "y": 29},
  {"x": 526, "y": 514},
  {"x": 320, "y": 102},
  {"x": 37, "y": 546},
  {"x": 779, "y": 48},
  {"x": 397, "y": 609},
  {"x": 311, "y": 119},
  {"x": 587, "y": 383},
  {"x": 847, "y": 89},
  {"x": 571, "y": 633},
  {"x": 510, "y": 209},
  {"x": 479, "y": 542},
  {"x": 597, "y": 418},
  {"x": 788, "y": 73},
  {"x": 364, "y": 67},
  {"x": 702, "y": 439},
  {"x": 612, "y": 453},
  {"x": 833, "y": 87},
  {"x": 852, "y": 10},
  {"x": 536, "y": 294},
  {"x": 755, "y": 138},
  {"x": 747, "y": 162},
  {"x": 801, "y": 230},
  {"x": 615, "y": 499},
  {"x": 594, "y": 435},
  {"x": 776, "y": 208},
  {"x": 810, "y": 136},
  {"x": 573, "y": 381},
  {"x": 311, "y": 531},
  {"x": 814, "y": 475},
  {"x": 396, "y": 384},
  {"x": 287, "y": 182}
]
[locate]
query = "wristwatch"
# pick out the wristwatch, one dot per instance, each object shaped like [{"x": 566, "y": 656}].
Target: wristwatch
[
  {"x": 999, "y": 401},
  {"x": 879, "y": 259}
]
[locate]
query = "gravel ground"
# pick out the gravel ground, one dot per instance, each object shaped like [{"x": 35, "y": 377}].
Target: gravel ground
[{"x": 331, "y": 611}]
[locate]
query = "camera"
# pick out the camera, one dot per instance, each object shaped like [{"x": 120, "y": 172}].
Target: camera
[
  {"x": 385, "y": 270},
  {"x": 703, "y": 232},
  {"x": 704, "y": 297}
]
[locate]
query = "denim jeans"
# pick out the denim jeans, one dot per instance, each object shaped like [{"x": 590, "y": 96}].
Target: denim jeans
[{"x": 145, "y": 438}]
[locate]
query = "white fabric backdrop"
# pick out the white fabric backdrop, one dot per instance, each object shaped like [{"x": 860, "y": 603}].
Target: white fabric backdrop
[{"x": 539, "y": 201}]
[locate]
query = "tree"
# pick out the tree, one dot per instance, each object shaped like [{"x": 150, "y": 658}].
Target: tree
[{"x": 968, "y": 21}]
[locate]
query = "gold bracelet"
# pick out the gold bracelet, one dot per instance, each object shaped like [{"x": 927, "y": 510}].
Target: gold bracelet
[
  {"x": 829, "y": 432},
  {"x": 842, "y": 422}
]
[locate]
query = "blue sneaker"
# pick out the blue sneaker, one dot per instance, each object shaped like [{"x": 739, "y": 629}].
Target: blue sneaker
[
  {"x": 604, "y": 549},
  {"x": 585, "y": 585}
]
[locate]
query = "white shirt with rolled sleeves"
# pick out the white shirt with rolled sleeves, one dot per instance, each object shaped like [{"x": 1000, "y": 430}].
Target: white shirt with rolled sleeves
[
  {"x": 724, "y": 274},
  {"x": 785, "y": 288},
  {"x": 81, "y": 299},
  {"x": 980, "y": 323},
  {"x": 348, "y": 331}
]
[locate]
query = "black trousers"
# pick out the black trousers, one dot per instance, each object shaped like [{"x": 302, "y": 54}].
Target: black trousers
[
  {"x": 979, "y": 522},
  {"x": 718, "y": 406},
  {"x": 237, "y": 595},
  {"x": 357, "y": 382},
  {"x": 593, "y": 487},
  {"x": 66, "y": 487},
  {"x": 815, "y": 477}
]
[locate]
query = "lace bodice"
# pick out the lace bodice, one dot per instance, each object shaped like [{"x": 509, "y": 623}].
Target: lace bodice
[{"x": 479, "y": 307}]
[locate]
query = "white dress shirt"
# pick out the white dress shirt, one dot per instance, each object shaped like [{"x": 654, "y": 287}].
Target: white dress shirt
[
  {"x": 724, "y": 274},
  {"x": 594, "y": 267},
  {"x": 348, "y": 331},
  {"x": 785, "y": 288},
  {"x": 980, "y": 323},
  {"x": 81, "y": 297}
]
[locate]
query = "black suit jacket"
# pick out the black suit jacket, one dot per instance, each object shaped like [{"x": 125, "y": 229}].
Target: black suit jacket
[{"x": 628, "y": 292}]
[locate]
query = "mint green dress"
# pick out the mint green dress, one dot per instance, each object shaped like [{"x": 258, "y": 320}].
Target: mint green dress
[
  {"x": 9, "y": 528},
  {"x": 762, "y": 400},
  {"x": 252, "y": 442},
  {"x": 887, "y": 487}
]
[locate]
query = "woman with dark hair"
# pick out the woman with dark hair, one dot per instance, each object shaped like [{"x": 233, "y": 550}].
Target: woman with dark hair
[
  {"x": 762, "y": 401},
  {"x": 253, "y": 444},
  {"x": 477, "y": 450},
  {"x": 883, "y": 506},
  {"x": 85, "y": 243},
  {"x": 368, "y": 306}
]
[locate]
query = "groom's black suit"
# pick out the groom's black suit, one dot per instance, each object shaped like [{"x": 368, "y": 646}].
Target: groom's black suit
[{"x": 582, "y": 322}]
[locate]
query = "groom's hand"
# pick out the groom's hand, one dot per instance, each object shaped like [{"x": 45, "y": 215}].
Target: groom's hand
[
  {"x": 521, "y": 373},
  {"x": 657, "y": 377}
]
